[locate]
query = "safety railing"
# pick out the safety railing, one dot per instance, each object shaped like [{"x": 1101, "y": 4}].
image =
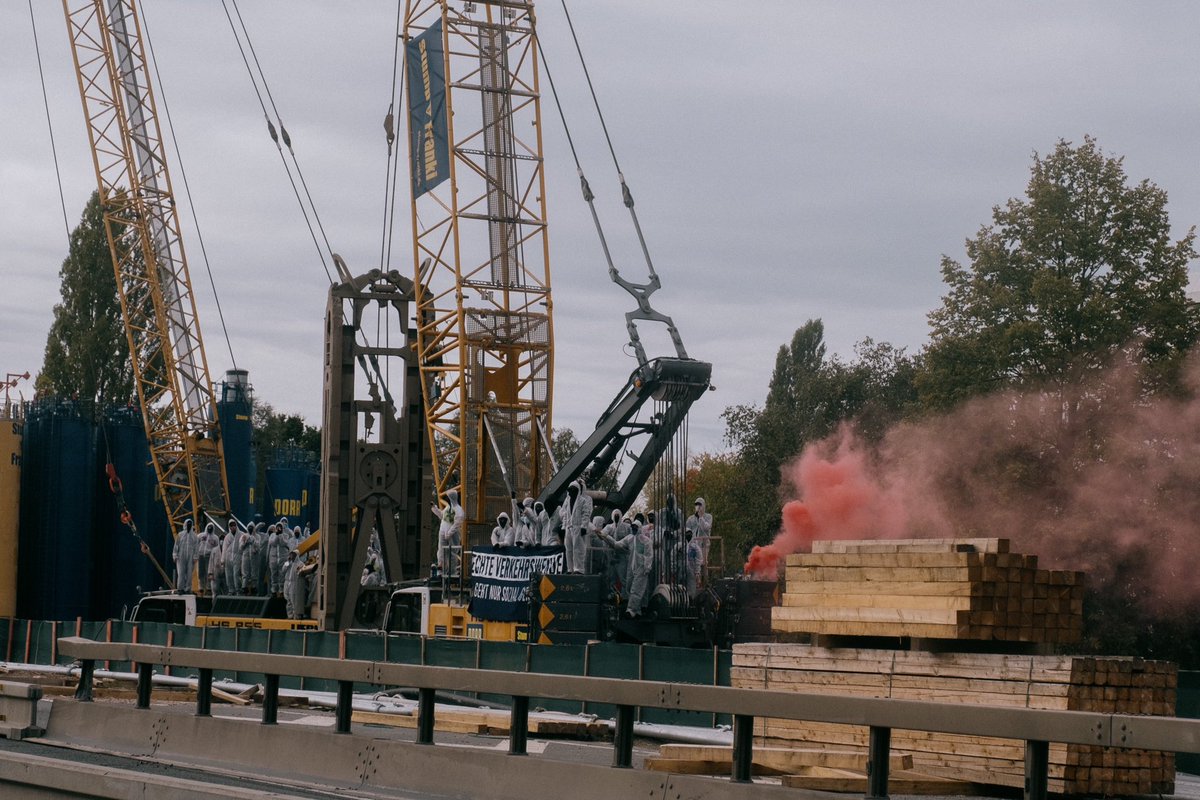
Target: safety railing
[{"x": 1036, "y": 727}]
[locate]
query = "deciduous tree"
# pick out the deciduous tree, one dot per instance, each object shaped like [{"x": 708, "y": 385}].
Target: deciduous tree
[
  {"x": 1062, "y": 279},
  {"x": 87, "y": 352}
]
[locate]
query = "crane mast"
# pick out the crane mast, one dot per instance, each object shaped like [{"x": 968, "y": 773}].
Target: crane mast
[
  {"x": 483, "y": 304},
  {"x": 157, "y": 302}
]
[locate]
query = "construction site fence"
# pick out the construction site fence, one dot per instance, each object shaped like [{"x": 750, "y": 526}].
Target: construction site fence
[{"x": 35, "y": 642}]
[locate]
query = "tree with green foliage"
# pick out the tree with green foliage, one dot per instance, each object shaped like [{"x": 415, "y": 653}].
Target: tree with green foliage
[
  {"x": 87, "y": 352},
  {"x": 1063, "y": 279},
  {"x": 564, "y": 443},
  {"x": 279, "y": 435},
  {"x": 809, "y": 396}
]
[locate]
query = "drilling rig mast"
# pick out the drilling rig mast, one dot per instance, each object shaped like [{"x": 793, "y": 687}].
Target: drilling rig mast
[
  {"x": 484, "y": 322},
  {"x": 162, "y": 328}
]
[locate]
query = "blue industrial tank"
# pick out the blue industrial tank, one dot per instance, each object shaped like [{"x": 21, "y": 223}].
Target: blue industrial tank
[
  {"x": 58, "y": 484},
  {"x": 234, "y": 406}
]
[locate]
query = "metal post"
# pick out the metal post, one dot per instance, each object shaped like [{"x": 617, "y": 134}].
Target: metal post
[
  {"x": 1037, "y": 769},
  {"x": 345, "y": 701},
  {"x": 878, "y": 756},
  {"x": 87, "y": 669},
  {"x": 623, "y": 738},
  {"x": 145, "y": 673},
  {"x": 204, "y": 693},
  {"x": 425, "y": 716},
  {"x": 518, "y": 726},
  {"x": 271, "y": 701},
  {"x": 743, "y": 747}
]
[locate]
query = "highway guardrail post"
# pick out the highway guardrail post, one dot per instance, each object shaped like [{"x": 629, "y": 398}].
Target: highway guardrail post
[
  {"x": 518, "y": 726},
  {"x": 87, "y": 671},
  {"x": 204, "y": 693},
  {"x": 270, "y": 700},
  {"x": 145, "y": 675},
  {"x": 345, "y": 706},
  {"x": 1037, "y": 769},
  {"x": 743, "y": 747},
  {"x": 623, "y": 738},
  {"x": 425, "y": 700},
  {"x": 879, "y": 752}
]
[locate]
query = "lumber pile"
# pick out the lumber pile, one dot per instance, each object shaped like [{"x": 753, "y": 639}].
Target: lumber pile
[
  {"x": 697, "y": 759},
  {"x": 965, "y": 589},
  {"x": 806, "y": 768},
  {"x": 1077, "y": 683},
  {"x": 493, "y": 722}
]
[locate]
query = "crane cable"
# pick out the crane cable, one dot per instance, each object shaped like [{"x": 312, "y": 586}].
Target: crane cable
[
  {"x": 275, "y": 137},
  {"x": 46, "y": 102},
  {"x": 393, "y": 157},
  {"x": 187, "y": 189},
  {"x": 626, "y": 194},
  {"x": 640, "y": 292},
  {"x": 118, "y": 490},
  {"x": 282, "y": 134}
]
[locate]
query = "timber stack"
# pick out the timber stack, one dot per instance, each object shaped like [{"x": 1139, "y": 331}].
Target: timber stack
[
  {"x": 975, "y": 594},
  {"x": 929, "y": 588}
]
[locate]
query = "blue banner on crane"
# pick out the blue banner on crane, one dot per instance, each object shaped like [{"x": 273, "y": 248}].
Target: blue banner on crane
[{"x": 429, "y": 143}]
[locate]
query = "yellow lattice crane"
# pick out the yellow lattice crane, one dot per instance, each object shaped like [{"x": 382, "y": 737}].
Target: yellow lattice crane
[
  {"x": 170, "y": 370},
  {"x": 484, "y": 332}
]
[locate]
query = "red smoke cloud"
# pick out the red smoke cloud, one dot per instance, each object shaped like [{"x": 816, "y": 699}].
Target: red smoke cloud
[
  {"x": 1098, "y": 477},
  {"x": 842, "y": 500}
]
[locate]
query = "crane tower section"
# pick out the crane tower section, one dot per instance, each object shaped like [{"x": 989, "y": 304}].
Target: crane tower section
[
  {"x": 159, "y": 309},
  {"x": 484, "y": 321}
]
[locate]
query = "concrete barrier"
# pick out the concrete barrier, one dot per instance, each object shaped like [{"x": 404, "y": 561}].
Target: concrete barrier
[{"x": 18, "y": 710}]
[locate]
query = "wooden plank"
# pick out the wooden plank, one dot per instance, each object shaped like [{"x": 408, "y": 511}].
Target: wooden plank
[
  {"x": 780, "y": 759},
  {"x": 907, "y": 782},
  {"x": 1046, "y": 669},
  {"x": 900, "y": 588},
  {"x": 910, "y": 545},
  {"x": 872, "y": 600},
  {"x": 780, "y": 623},
  {"x": 405, "y": 721},
  {"x": 893, "y": 560},
  {"x": 863, "y": 574},
  {"x": 920, "y": 616}
]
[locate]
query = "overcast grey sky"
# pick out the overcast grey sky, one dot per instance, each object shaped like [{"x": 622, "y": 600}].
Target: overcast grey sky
[{"x": 790, "y": 160}]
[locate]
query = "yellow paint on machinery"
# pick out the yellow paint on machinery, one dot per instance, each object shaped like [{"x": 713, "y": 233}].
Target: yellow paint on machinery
[
  {"x": 11, "y": 433},
  {"x": 447, "y": 621},
  {"x": 256, "y": 623}
]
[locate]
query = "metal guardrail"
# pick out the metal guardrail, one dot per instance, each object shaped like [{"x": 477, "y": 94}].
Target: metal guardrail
[{"x": 1036, "y": 727}]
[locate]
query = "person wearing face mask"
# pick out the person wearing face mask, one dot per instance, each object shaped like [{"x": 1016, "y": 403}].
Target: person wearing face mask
[
  {"x": 184, "y": 553},
  {"x": 502, "y": 534},
  {"x": 450, "y": 525},
  {"x": 700, "y": 524}
]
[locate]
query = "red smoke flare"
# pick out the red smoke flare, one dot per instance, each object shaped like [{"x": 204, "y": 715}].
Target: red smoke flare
[
  {"x": 1099, "y": 477},
  {"x": 840, "y": 501}
]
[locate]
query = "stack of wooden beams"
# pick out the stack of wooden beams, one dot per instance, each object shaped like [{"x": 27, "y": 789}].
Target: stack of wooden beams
[
  {"x": 929, "y": 588},
  {"x": 463, "y": 719},
  {"x": 1077, "y": 683}
]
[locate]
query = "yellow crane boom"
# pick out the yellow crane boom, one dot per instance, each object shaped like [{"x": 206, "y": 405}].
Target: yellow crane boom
[
  {"x": 484, "y": 312},
  {"x": 170, "y": 369}
]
